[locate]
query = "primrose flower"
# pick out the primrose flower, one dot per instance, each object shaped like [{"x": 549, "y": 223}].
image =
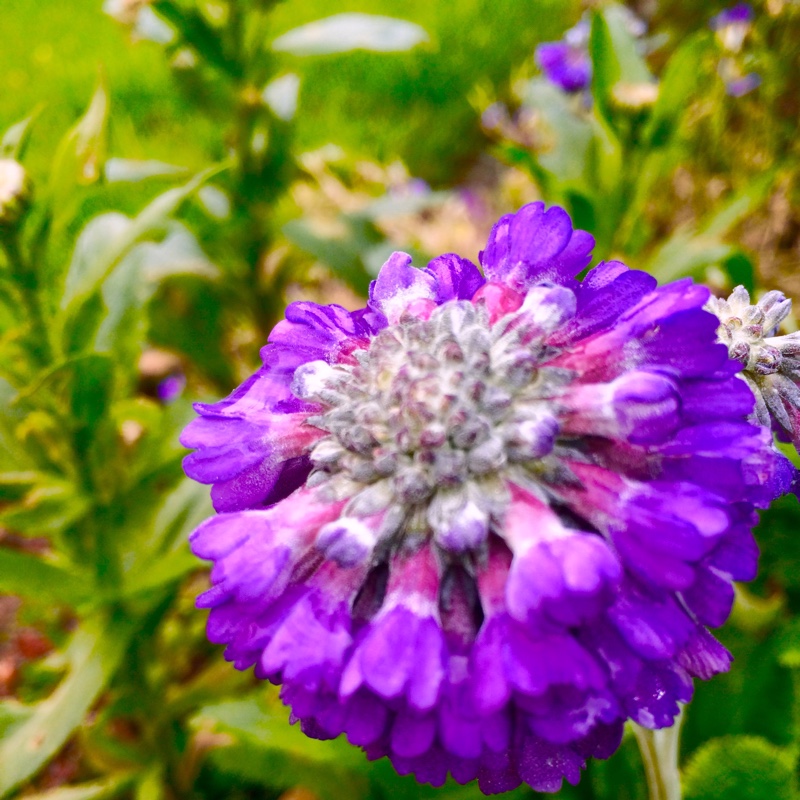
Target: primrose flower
[
  {"x": 480, "y": 523},
  {"x": 771, "y": 363},
  {"x": 566, "y": 63},
  {"x": 732, "y": 26}
]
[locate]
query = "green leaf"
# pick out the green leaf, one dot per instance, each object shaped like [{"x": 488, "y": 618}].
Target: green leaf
[
  {"x": 779, "y": 542},
  {"x": 615, "y": 58},
  {"x": 565, "y": 136},
  {"x": 89, "y": 257},
  {"x": 15, "y": 139},
  {"x": 740, "y": 767},
  {"x": 96, "y": 790},
  {"x": 13, "y": 456},
  {"x": 29, "y": 576},
  {"x": 352, "y": 31},
  {"x": 269, "y": 751},
  {"x": 134, "y": 282},
  {"x": 741, "y": 271},
  {"x": 128, "y": 170},
  {"x": 47, "y": 509},
  {"x": 92, "y": 388},
  {"x": 195, "y": 31},
  {"x": 12, "y": 715},
  {"x": 166, "y": 569},
  {"x": 151, "y": 785},
  {"x": 182, "y": 510},
  {"x": 94, "y": 653},
  {"x": 687, "y": 253},
  {"x": 81, "y": 154},
  {"x": 106, "y": 241},
  {"x": 678, "y": 85},
  {"x": 787, "y": 645}
]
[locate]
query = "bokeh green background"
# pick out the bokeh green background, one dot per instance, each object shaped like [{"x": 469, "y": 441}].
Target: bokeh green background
[{"x": 102, "y": 655}]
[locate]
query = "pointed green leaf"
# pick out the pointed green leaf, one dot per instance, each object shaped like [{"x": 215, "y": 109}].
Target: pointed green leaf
[
  {"x": 81, "y": 154},
  {"x": 679, "y": 82},
  {"x": 15, "y": 139},
  {"x": 94, "y": 654},
  {"x": 128, "y": 170},
  {"x": 47, "y": 509},
  {"x": 135, "y": 280},
  {"x": 96, "y": 790},
  {"x": 267, "y": 750},
  {"x": 106, "y": 240},
  {"x": 351, "y": 31},
  {"x": 615, "y": 58},
  {"x": 29, "y": 576},
  {"x": 566, "y": 136}
]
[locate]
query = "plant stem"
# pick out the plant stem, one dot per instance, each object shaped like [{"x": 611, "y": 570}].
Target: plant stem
[
  {"x": 659, "y": 751},
  {"x": 27, "y": 283}
]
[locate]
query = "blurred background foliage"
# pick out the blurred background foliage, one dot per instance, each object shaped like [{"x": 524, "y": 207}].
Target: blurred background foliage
[{"x": 172, "y": 173}]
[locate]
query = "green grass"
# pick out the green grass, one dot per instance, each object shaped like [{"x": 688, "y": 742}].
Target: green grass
[{"x": 413, "y": 105}]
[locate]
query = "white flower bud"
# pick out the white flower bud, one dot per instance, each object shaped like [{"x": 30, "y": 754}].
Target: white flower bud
[{"x": 15, "y": 192}]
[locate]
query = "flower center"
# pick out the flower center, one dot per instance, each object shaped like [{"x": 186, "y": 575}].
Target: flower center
[{"x": 427, "y": 424}]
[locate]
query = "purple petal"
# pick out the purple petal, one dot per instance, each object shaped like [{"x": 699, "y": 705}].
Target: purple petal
[
  {"x": 534, "y": 246},
  {"x": 399, "y": 285},
  {"x": 456, "y": 278}
]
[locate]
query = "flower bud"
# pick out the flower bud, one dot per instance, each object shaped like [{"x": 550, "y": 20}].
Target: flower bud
[
  {"x": 634, "y": 96},
  {"x": 15, "y": 192}
]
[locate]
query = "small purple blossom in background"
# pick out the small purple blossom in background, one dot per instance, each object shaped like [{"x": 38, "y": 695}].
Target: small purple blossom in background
[
  {"x": 732, "y": 26},
  {"x": 739, "y": 87},
  {"x": 171, "y": 388},
  {"x": 566, "y": 63},
  {"x": 736, "y": 83},
  {"x": 480, "y": 523}
]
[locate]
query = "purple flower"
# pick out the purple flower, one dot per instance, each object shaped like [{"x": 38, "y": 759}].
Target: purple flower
[
  {"x": 741, "y": 13},
  {"x": 566, "y": 63},
  {"x": 732, "y": 26},
  {"x": 737, "y": 84},
  {"x": 169, "y": 389},
  {"x": 739, "y": 87},
  {"x": 478, "y": 524}
]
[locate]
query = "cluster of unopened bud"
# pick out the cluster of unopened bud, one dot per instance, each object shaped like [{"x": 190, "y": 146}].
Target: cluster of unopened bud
[
  {"x": 771, "y": 362},
  {"x": 749, "y": 330}
]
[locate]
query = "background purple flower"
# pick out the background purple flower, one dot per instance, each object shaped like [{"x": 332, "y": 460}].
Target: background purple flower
[
  {"x": 566, "y": 63},
  {"x": 741, "y": 13},
  {"x": 732, "y": 25},
  {"x": 739, "y": 87}
]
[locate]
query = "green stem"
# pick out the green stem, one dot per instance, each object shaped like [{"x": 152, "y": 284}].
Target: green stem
[
  {"x": 27, "y": 282},
  {"x": 659, "y": 751}
]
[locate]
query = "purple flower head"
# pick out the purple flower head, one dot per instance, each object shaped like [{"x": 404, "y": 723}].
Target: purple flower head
[
  {"x": 566, "y": 63},
  {"x": 739, "y": 87},
  {"x": 732, "y": 25},
  {"x": 741, "y": 13},
  {"x": 480, "y": 523},
  {"x": 169, "y": 389}
]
